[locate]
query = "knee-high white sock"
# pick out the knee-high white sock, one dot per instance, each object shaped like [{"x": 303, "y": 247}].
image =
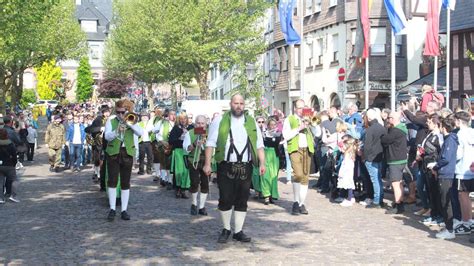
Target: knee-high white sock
[
  {"x": 239, "y": 219},
  {"x": 296, "y": 191},
  {"x": 226, "y": 216},
  {"x": 202, "y": 200},
  {"x": 157, "y": 169},
  {"x": 194, "y": 196},
  {"x": 303, "y": 193},
  {"x": 125, "y": 196},
  {"x": 163, "y": 175},
  {"x": 97, "y": 171},
  {"x": 112, "y": 197}
]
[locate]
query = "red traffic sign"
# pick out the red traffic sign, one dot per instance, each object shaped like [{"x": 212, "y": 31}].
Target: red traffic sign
[{"x": 341, "y": 74}]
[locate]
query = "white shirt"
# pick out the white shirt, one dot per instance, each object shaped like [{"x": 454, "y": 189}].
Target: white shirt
[
  {"x": 240, "y": 137},
  {"x": 148, "y": 128},
  {"x": 32, "y": 135},
  {"x": 112, "y": 134},
  {"x": 289, "y": 133},
  {"x": 159, "y": 135},
  {"x": 76, "y": 139}
]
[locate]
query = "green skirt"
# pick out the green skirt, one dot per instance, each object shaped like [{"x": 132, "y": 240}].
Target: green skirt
[
  {"x": 179, "y": 169},
  {"x": 269, "y": 181},
  {"x": 256, "y": 180}
]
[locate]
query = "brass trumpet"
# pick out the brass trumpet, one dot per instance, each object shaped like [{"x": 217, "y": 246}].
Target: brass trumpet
[
  {"x": 201, "y": 136},
  {"x": 131, "y": 118}
]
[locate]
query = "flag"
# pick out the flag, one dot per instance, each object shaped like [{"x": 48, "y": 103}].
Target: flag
[
  {"x": 432, "y": 31},
  {"x": 396, "y": 16},
  {"x": 449, "y": 4},
  {"x": 362, "y": 41},
  {"x": 285, "y": 11}
]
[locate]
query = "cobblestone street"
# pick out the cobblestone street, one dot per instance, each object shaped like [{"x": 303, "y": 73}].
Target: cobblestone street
[{"x": 62, "y": 219}]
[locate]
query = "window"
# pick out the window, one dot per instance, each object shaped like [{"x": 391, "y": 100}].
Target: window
[
  {"x": 332, "y": 3},
  {"x": 335, "y": 48},
  {"x": 94, "y": 52},
  {"x": 283, "y": 107},
  {"x": 280, "y": 58},
  {"x": 320, "y": 51},
  {"x": 78, "y": 2},
  {"x": 222, "y": 93},
  {"x": 309, "y": 7},
  {"x": 297, "y": 56},
  {"x": 398, "y": 43},
  {"x": 287, "y": 57},
  {"x": 310, "y": 52},
  {"x": 378, "y": 40},
  {"x": 89, "y": 25},
  {"x": 317, "y": 6}
]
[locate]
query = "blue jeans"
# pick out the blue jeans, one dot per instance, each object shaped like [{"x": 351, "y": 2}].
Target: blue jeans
[
  {"x": 76, "y": 154},
  {"x": 421, "y": 188},
  {"x": 375, "y": 173}
]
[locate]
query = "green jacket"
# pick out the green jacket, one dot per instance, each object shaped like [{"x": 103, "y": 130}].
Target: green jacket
[
  {"x": 113, "y": 147},
  {"x": 294, "y": 142}
]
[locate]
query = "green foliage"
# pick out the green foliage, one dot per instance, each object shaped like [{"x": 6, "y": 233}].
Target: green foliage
[
  {"x": 47, "y": 76},
  {"x": 28, "y": 96},
  {"x": 84, "y": 81},
  {"x": 162, "y": 41},
  {"x": 33, "y": 32},
  {"x": 470, "y": 55}
]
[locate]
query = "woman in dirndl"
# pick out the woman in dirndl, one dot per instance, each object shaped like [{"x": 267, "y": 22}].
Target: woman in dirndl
[
  {"x": 178, "y": 162},
  {"x": 269, "y": 181}
]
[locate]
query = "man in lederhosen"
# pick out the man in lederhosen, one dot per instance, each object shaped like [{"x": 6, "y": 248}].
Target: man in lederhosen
[
  {"x": 195, "y": 139},
  {"x": 96, "y": 130},
  {"x": 156, "y": 156},
  {"x": 164, "y": 148},
  {"x": 121, "y": 149},
  {"x": 238, "y": 143},
  {"x": 144, "y": 144}
]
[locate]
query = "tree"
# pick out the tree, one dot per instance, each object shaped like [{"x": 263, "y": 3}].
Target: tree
[
  {"x": 29, "y": 96},
  {"x": 178, "y": 41},
  {"x": 33, "y": 32},
  {"x": 47, "y": 76},
  {"x": 114, "y": 88},
  {"x": 84, "y": 81}
]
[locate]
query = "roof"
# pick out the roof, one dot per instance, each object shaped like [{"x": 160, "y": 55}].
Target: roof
[
  {"x": 99, "y": 10},
  {"x": 462, "y": 18},
  {"x": 415, "y": 87}
]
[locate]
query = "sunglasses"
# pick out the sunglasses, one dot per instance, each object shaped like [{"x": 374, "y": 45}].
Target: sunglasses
[
  {"x": 120, "y": 112},
  {"x": 260, "y": 122}
]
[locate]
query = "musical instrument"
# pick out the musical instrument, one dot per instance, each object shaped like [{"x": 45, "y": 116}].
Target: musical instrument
[
  {"x": 129, "y": 119},
  {"x": 200, "y": 139},
  {"x": 309, "y": 117}
]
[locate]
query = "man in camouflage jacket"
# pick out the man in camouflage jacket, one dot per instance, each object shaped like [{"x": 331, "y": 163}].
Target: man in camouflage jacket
[{"x": 55, "y": 139}]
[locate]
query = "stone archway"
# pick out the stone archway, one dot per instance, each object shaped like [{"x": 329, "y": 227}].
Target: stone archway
[
  {"x": 335, "y": 100},
  {"x": 315, "y": 103}
]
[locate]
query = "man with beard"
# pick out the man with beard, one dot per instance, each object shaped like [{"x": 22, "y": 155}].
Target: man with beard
[{"x": 238, "y": 145}]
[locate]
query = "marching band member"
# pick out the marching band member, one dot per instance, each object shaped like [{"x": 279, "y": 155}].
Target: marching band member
[
  {"x": 144, "y": 145},
  {"x": 164, "y": 148},
  {"x": 300, "y": 148},
  {"x": 122, "y": 139},
  {"x": 178, "y": 167},
  {"x": 239, "y": 146},
  {"x": 193, "y": 144}
]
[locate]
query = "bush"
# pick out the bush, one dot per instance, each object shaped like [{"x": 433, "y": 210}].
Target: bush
[{"x": 28, "y": 96}]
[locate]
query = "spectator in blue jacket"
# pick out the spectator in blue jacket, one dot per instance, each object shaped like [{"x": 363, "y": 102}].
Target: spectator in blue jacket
[
  {"x": 444, "y": 170},
  {"x": 75, "y": 138}
]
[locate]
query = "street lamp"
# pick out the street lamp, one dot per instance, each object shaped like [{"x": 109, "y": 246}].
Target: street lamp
[
  {"x": 251, "y": 73},
  {"x": 274, "y": 75}
]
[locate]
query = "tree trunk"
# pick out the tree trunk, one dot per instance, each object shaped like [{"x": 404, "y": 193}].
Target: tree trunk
[
  {"x": 202, "y": 83},
  {"x": 173, "y": 97},
  {"x": 3, "y": 90},
  {"x": 14, "y": 90},
  {"x": 150, "y": 93}
]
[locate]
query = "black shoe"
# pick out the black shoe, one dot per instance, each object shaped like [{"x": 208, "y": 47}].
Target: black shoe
[
  {"x": 202, "y": 211},
  {"x": 241, "y": 236},
  {"x": 162, "y": 183},
  {"x": 56, "y": 169},
  {"x": 149, "y": 172},
  {"x": 156, "y": 179},
  {"x": 178, "y": 194},
  {"x": 296, "y": 209},
  {"x": 194, "y": 210},
  {"x": 169, "y": 186},
  {"x": 224, "y": 236},
  {"x": 272, "y": 201},
  {"x": 51, "y": 169},
  {"x": 400, "y": 208},
  {"x": 140, "y": 173},
  {"x": 214, "y": 180},
  {"x": 184, "y": 195},
  {"x": 303, "y": 209},
  {"x": 125, "y": 216},
  {"x": 111, "y": 216}
]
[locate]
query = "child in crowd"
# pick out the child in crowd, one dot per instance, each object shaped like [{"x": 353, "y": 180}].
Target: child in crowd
[{"x": 346, "y": 172}]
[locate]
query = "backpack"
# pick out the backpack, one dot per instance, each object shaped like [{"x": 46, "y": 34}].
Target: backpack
[{"x": 437, "y": 97}]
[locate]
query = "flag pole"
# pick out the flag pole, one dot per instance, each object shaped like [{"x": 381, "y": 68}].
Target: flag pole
[
  {"x": 448, "y": 54},
  {"x": 367, "y": 82},
  {"x": 435, "y": 81},
  {"x": 392, "y": 97},
  {"x": 301, "y": 49}
]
